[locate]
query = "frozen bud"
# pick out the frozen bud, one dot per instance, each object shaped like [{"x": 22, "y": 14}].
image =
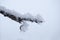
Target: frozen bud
[{"x": 24, "y": 26}]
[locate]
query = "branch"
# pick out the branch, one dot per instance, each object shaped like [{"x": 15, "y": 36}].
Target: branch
[{"x": 19, "y": 17}]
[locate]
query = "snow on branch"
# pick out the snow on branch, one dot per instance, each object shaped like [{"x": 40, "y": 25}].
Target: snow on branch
[{"x": 19, "y": 17}]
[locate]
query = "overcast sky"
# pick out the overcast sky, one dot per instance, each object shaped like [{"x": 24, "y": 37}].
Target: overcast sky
[{"x": 48, "y": 9}]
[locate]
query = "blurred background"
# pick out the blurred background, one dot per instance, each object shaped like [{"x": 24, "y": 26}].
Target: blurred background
[{"x": 48, "y": 9}]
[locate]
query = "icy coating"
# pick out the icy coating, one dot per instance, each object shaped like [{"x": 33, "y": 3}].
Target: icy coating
[{"x": 20, "y": 18}]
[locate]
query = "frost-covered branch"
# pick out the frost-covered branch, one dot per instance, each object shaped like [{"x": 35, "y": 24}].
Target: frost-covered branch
[{"x": 19, "y": 17}]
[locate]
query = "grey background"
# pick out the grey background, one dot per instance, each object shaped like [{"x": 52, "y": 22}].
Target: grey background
[{"x": 48, "y": 9}]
